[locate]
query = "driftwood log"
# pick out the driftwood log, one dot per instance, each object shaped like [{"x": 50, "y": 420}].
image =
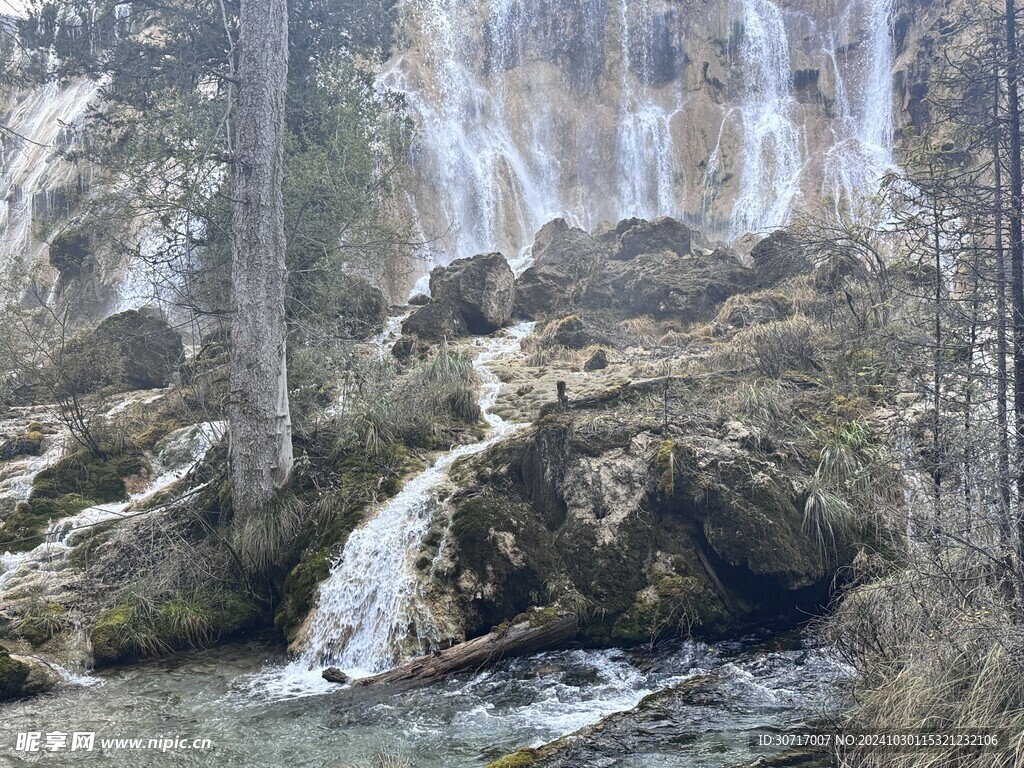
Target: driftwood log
[{"x": 526, "y": 636}]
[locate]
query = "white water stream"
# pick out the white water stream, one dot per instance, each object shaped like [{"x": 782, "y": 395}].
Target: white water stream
[
  {"x": 771, "y": 156},
  {"x": 178, "y": 453},
  {"x": 370, "y": 612},
  {"x": 862, "y": 151}
]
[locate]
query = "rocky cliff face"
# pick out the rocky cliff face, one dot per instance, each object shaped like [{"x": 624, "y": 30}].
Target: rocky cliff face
[{"x": 732, "y": 113}]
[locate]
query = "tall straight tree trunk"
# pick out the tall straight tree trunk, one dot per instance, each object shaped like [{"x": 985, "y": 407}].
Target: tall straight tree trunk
[
  {"x": 260, "y": 424},
  {"x": 1016, "y": 260},
  {"x": 1002, "y": 426}
]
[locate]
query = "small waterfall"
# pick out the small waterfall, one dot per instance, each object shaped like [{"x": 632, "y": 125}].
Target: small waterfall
[
  {"x": 771, "y": 158},
  {"x": 178, "y": 453},
  {"x": 862, "y": 152},
  {"x": 369, "y": 612}
]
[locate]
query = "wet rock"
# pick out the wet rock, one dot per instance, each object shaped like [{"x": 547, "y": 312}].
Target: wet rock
[
  {"x": 474, "y": 295},
  {"x": 28, "y": 444},
  {"x": 597, "y": 361},
  {"x": 419, "y": 300},
  {"x": 335, "y": 675},
  {"x": 778, "y": 256},
  {"x": 22, "y": 676}
]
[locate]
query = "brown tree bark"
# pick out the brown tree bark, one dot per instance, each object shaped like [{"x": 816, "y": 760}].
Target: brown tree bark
[
  {"x": 260, "y": 424},
  {"x": 515, "y": 640}
]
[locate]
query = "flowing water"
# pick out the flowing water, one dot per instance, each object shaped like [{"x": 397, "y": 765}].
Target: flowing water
[
  {"x": 33, "y": 182},
  {"x": 771, "y": 156},
  {"x": 369, "y": 612},
  {"x": 37, "y": 570},
  {"x": 862, "y": 152},
  {"x": 464, "y": 722}
]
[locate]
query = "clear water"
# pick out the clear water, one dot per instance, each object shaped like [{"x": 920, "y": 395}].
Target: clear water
[{"x": 463, "y": 722}]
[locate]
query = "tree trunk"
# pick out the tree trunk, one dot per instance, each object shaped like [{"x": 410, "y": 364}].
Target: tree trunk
[
  {"x": 260, "y": 424},
  {"x": 522, "y": 638},
  {"x": 1002, "y": 376},
  {"x": 1016, "y": 257}
]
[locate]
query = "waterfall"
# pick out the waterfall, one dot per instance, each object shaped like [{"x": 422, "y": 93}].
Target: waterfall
[
  {"x": 862, "y": 153},
  {"x": 496, "y": 189},
  {"x": 647, "y": 156},
  {"x": 42, "y": 121},
  {"x": 370, "y": 612},
  {"x": 178, "y": 453},
  {"x": 771, "y": 157}
]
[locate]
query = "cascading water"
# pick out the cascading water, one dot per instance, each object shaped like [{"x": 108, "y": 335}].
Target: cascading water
[
  {"x": 370, "y": 611},
  {"x": 862, "y": 153},
  {"x": 771, "y": 157},
  {"x": 496, "y": 192},
  {"x": 32, "y": 179},
  {"x": 646, "y": 152},
  {"x": 177, "y": 454}
]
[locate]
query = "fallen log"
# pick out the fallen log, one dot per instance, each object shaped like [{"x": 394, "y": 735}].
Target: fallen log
[{"x": 528, "y": 634}]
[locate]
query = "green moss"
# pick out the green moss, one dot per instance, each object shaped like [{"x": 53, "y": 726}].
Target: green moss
[
  {"x": 41, "y": 622},
  {"x": 75, "y": 482},
  {"x": 484, "y": 529},
  {"x": 520, "y": 759},
  {"x": 137, "y": 628},
  {"x": 13, "y": 675},
  {"x": 82, "y": 554},
  {"x": 300, "y": 590}
]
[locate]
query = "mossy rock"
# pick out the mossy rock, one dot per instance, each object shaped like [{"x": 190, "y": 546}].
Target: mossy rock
[
  {"x": 300, "y": 590},
  {"x": 83, "y": 553},
  {"x": 138, "y": 629},
  {"x": 28, "y": 444},
  {"x": 509, "y": 551},
  {"x": 41, "y": 622},
  {"x": 89, "y": 476},
  {"x": 13, "y": 675},
  {"x": 75, "y": 482},
  {"x": 126, "y": 351},
  {"x": 519, "y": 759}
]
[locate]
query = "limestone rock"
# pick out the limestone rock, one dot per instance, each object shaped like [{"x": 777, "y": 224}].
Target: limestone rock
[
  {"x": 597, "y": 361},
  {"x": 665, "y": 285},
  {"x": 636, "y": 236},
  {"x": 474, "y": 295},
  {"x": 564, "y": 260},
  {"x": 130, "y": 350}
]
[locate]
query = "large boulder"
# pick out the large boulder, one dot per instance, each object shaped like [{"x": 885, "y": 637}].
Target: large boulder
[
  {"x": 667, "y": 286},
  {"x": 363, "y": 308},
  {"x": 564, "y": 260},
  {"x": 129, "y": 350},
  {"x": 474, "y": 295},
  {"x": 778, "y": 256},
  {"x": 637, "y": 236},
  {"x": 636, "y": 268}
]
